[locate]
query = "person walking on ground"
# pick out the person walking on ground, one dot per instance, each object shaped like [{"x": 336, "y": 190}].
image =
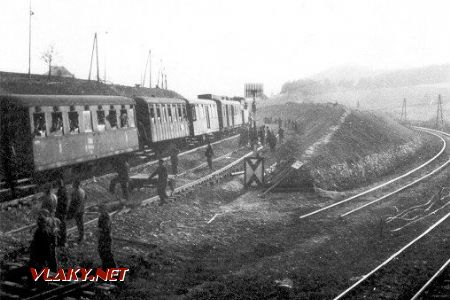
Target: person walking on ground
[
  {"x": 42, "y": 247},
  {"x": 262, "y": 135},
  {"x": 174, "y": 159},
  {"x": 281, "y": 134},
  {"x": 61, "y": 212},
  {"x": 209, "y": 154},
  {"x": 76, "y": 209},
  {"x": 122, "y": 168},
  {"x": 49, "y": 200},
  {"x": 272, "y": 140},
  {"x": 161, "y": 171},
  {"x": 253, "y": 136},
  {"x": 105, "y": 239}
]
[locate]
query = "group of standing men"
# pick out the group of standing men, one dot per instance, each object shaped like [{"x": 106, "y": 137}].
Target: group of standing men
[
  {"x": 263, "y": 134},
  {"x": 51, "y": 231}
]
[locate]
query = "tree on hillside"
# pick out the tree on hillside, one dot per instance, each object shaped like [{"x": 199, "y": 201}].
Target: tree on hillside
[{"x": 48, "y": 57}]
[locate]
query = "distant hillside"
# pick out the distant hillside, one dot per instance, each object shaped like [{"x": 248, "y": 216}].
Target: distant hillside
[
  {"x": 358, "y": 78},
  {"x": 19, "y": 83},
  {"x": 345, "y": 73}
]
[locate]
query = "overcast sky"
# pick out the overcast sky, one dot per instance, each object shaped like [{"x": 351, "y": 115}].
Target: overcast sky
[{"x": 216, "y": 46}]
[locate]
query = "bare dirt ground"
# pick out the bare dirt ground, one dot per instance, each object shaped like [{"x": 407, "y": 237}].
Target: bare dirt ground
[
  {"x": 16, "y": 217},
  {"x": 255, "y": 242}
]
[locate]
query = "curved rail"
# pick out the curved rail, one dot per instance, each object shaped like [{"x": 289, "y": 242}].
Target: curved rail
[
  {"x": 431, "y": 280},
  {"x": 364, "y": 277},
  {"x": 386, "y": 183},
  {"x": 396, "y": 254}
]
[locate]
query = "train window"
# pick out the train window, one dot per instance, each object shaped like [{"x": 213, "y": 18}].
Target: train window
[
  {"x": 39, "y": 124},
  {"x": 112, "y": 118},
  {"x": 101, "y": 120},
  {"x": 87, "y": 121},
  {"x": 169, "y": 111},
  {"x": 158, "y": 111},
  {"x": 194, "y": 115},
  {"x": 73, "y": 122},
  {"x": 152, "y": 112},
  {"x": 208, "y": 122},
  {"x": 131, "y": 118},
  {"x": 123, "y": 118},
  {"x": 184, "y": 112},
  {"x": 57, "y": 123},
  {"x": 180, "y": 114}
]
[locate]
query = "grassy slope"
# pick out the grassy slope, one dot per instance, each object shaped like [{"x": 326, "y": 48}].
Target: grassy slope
[{"x": 365, "y": 147}]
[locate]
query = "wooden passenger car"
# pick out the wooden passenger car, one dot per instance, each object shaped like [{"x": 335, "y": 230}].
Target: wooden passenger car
[
  {"x": 229, "y": 111},
  {"x": 204, "y": 117},
  {"x": 161, "y": 120},
  {"x": 53, "y": 132}
]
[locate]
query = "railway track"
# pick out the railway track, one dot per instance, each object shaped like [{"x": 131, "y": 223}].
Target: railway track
[
  {"x": 12, "y": 285},
  {"x": 388, "y": 183},
  {"x": 29, "y": 193},
  {"x": 188, "y": 186},
  {"x": 438, "y": 286}
]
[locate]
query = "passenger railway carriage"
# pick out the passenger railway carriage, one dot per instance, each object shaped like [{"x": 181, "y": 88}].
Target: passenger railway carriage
[
  {"x": 60, "y": 134},
  {"x": 204, "y": 118},
  {"x": 56, "y": 132},
  {"x": 161, "y": 120},
  {"x": 229, "y": 112}
]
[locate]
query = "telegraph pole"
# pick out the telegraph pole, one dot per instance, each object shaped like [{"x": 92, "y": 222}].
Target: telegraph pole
[
  {"x": 439, "y": 115},
  {"x": 403, "y": 116},
  {"x": 94, "y": 47},
  {"x": 149, "y": 62},
  {"x": 29, "y": 41}
]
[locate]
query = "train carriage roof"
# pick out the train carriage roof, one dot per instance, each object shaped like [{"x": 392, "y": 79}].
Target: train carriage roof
[
  {"x": 229, "y": 102},
  {"x": 159, "y": 100},
  {"x": 201, "y": 101},
  {"x": 64, "y": 100}
]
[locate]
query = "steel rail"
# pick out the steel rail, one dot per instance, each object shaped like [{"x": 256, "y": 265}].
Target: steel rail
[
  {"x": 28, "y": 198},
  {"x": 397, "y": 190},
  {"x": 431, "y": 280},
  {"x": 383, "y": 184},
  {"x": 393, "y": 256}
]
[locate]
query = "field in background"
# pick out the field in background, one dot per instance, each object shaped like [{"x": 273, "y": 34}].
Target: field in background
[{"x": 421, "y": 100}]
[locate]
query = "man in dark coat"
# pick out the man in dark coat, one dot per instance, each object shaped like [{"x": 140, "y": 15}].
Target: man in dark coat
[
  {"x": 262, "y": 135},
  {"x": 105, "y": 239},
  {"x": 76, "y": 210},
  {"x": 42, "y": 248},
  {"x": 209, "y": 154},
  {"x": 61, "y": 212},
  {"x": 49, "y": 200},
  {"x": 272, "y": 141},
  {"x": 281, "y": 134},
  {"x": 174, "y": 159},
  {"x": 253, "y": 136},
  {"x": 161, "y": 171},
  {"x": 122, "y": 168}
]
